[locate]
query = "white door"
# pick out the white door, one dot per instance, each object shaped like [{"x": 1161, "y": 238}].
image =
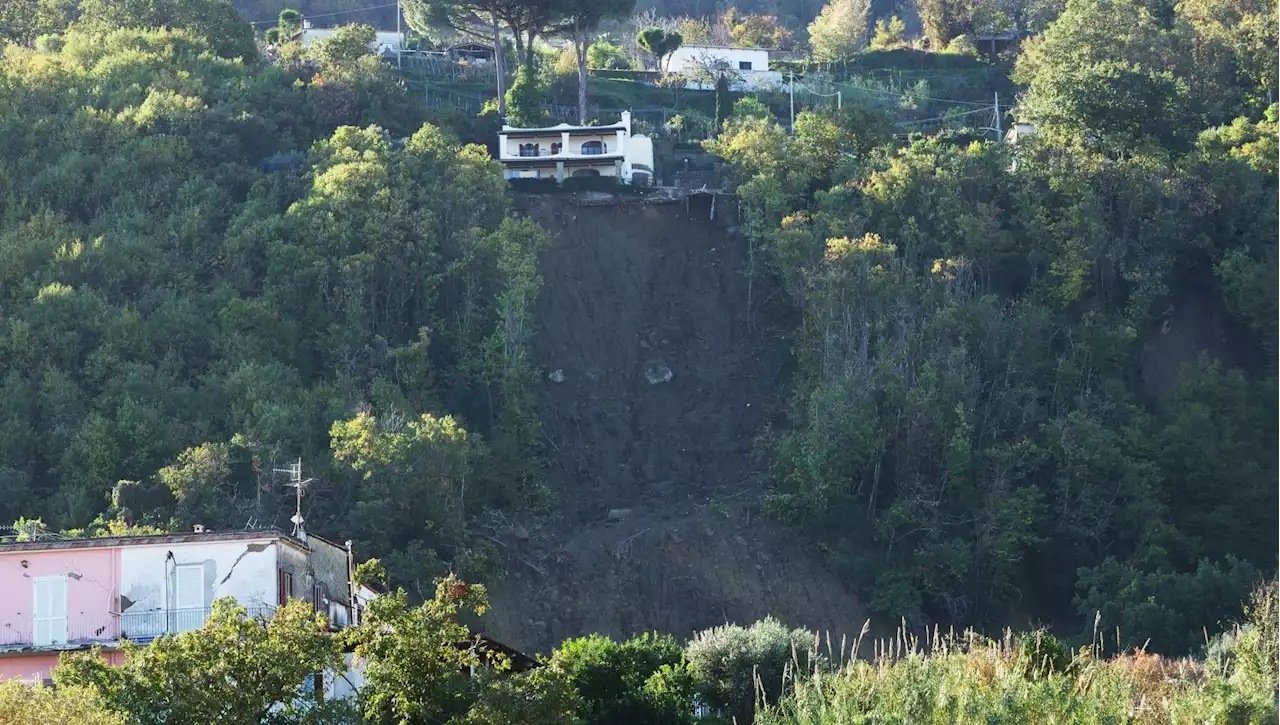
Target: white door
[
  {"x": 189, "y": 599},
  {"x": 50, "y": 610}
]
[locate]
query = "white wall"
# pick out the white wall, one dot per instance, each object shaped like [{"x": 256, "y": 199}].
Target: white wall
[
  {"x": 244, "y": 569},
  {"x": 640, "y": 151},
  {"x": 688, "y": 57},
  {"x": 382, "y": 39},
  {"x": 511, "y": 149},
  {"x": 344, "y": 685}
]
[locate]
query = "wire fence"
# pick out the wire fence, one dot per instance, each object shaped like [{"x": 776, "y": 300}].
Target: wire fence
[{"x": 916, "y": 110}]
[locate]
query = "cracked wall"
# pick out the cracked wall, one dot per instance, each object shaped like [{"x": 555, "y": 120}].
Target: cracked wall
[{"x": 242, "y": 569}]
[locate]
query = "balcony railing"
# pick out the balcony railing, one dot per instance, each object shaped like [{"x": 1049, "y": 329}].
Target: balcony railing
[
  {"x": 86, "y": 630},
  {"x": 587, "y": 149},
  {"x": 141, "y": 626}
]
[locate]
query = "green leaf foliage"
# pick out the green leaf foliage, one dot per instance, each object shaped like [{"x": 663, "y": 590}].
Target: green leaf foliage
[
  {"x": 735, "y": 666},
  {"x": 236, "y": 669},
  {"x": 643, "y": 681},
  {"x": 208, "y": 259}
]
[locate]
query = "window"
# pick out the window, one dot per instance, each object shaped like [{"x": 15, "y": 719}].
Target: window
[
  {"x": 284, "y": 586},
  {"x": 585, "y": 172},
  {"x": 593, "y": 148},
  {"x": 528, "y": 149},
  {"x": 50, "y": 610},
  {"x": 189, "y": 587},
  {"x": 555, "y": 148},
  {"x": 744, "y": 65}
]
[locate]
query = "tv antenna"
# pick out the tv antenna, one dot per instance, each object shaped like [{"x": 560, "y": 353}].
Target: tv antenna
[{"x": 299, "y": 485}]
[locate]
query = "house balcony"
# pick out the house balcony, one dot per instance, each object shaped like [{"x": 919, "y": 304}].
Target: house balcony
[
  {"x": 84, "y": 631},
  {"x": 146, "y": 626}
]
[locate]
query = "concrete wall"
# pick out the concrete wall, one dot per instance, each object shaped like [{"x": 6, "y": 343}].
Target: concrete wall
[
  {"x": 91, "y": 583},
  {"x": 344, "y": 685},
  {"x": 639, "y": 151},
  {"x": 329, "y": 566},
  {"x": 38, "y": 666},
  {"x": 383, "y": 39},
  {"x": 755, "y": 80},
  {"x": 511, "y": 149},
  {"x": 131, "y": 591},
  {"x": 244, "y": 569},
  {"x": 690, "y": 57},
  {"x": 549, "y": 172}
]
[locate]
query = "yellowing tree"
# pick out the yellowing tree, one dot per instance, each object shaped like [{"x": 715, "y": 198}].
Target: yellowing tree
[
  {"x": 840, "y": 30},
  {"x": 26, "y": 704},
  {"x": 755, "y": 31}
]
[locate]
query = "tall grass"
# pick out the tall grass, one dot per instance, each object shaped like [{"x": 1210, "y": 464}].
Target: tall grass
[{"x": 1035, "y": 678}]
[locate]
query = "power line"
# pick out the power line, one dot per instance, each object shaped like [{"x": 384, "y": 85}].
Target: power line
[
  {"x": 910, "y": 95},
  {"x": 820, "y": 95},
  {"x": 326, "y": 15},
  {"x": 984, "y": 109}
]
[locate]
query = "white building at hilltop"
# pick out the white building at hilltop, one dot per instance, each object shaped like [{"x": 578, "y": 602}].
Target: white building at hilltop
[
  {"x": 562, "y": 151},
  {"x": 748, "y": 68},
  {"x": 384, "y": 41}
]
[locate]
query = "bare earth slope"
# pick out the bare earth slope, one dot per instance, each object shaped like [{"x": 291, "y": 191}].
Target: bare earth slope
[{"x": 649, "y": 433}]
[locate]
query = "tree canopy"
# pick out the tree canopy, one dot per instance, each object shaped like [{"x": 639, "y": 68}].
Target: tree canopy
[{"x": 209, "y": 260}]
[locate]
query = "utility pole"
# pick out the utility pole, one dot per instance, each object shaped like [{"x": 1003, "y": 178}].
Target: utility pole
[
  {"x": 399, "y": 32},
  {"x": 999, "y": 133},
  {"x": 839, "y": 100},
  {"x": 793, "y": 101}
]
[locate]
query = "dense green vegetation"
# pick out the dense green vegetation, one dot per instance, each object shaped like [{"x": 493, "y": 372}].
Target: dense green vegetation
[
  {"x": 239, "y": 670},
  {"x": 993, "y": 417},
  {"x": 209, "y": 259},
  {"x": 1037, "y": 678},
  {"x": 1033, "y": 382}
]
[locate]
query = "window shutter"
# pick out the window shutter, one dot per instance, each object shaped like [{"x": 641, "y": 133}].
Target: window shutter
[
  {"x": 284, "y": 587},
  {"x": 50, "y": 610},
  {"x": 190, "y": 587}
]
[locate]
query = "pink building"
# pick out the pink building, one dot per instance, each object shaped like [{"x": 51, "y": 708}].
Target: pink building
[{"x": 61, "y": 594}]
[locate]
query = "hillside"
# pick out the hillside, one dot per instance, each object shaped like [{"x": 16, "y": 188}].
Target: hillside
[
  {"x": 637, "y": 291},
  {"x": 925, "y": 378}
]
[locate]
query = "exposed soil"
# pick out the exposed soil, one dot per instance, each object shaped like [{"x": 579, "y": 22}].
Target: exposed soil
[{"x": 655, "y": 393}]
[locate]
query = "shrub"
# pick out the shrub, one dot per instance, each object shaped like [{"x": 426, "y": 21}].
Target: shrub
[
  {"x": 603, "y": 55},
  {"x": 643, "y": 681},
  {"x": 730, "y": 662}
]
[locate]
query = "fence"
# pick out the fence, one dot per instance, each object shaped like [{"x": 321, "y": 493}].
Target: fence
[
  {"x": 50, "y": 631},
  {"x": 149, "y": 625},
  {"x": 84, "y": 630}
]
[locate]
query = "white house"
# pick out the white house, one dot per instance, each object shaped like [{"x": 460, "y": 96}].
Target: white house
[
  {"x": 747, "y": 67},
  {"x": 384, "y": 40},
  {"x": 1019, "y": 130},
  {"x": 558, "y": 152}
]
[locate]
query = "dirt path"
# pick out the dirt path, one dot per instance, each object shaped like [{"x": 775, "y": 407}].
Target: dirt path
[{"x": 656, "y": 393}]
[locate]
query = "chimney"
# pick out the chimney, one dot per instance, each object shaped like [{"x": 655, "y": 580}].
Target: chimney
[
  {"x": 626, "y": 121},
  {"x": 198, "y": 528}
]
